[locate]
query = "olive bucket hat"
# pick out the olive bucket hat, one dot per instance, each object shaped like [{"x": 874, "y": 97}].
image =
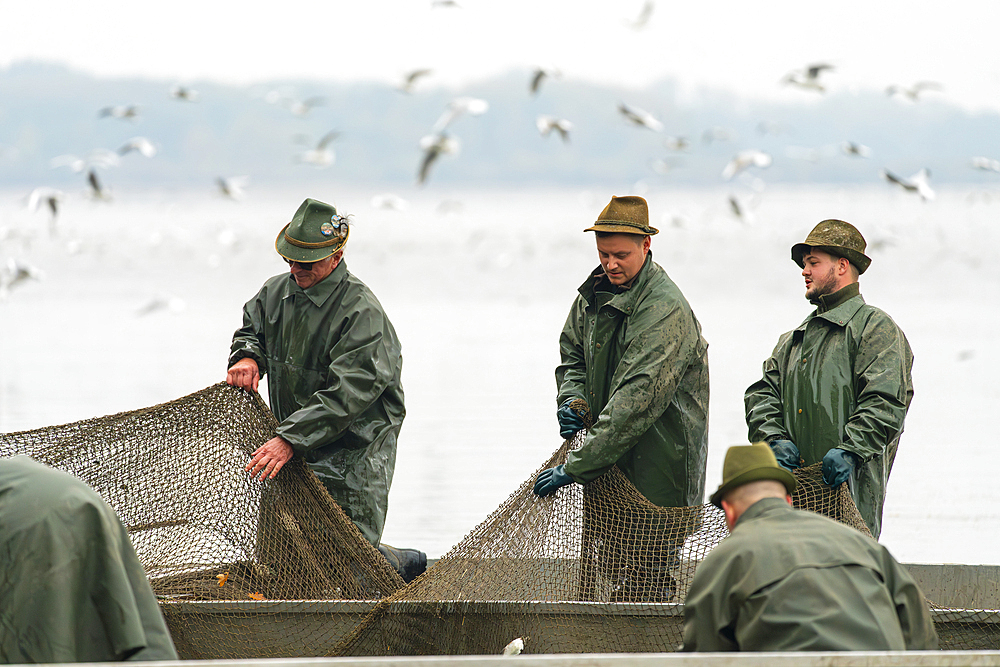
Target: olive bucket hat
[
  {"x": 837, "y": 238},
  {"x": 624, "y": 215},
  {"x": 751, "y": 463},
  {"x": 315, "y": 233}
]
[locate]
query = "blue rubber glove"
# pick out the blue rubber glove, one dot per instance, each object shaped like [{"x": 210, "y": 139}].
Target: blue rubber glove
[
  {"x": 838, "y": 464},
  {"x": 570, "y": 420},
  {"x": 787, "y": 454},
  {"x": 550, "y": 480}
]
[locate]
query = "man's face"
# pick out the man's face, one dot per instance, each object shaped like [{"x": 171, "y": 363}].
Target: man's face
[
  {"x": 307, "y": 274},
  {"x": 622, "y": 256},
  {"x": 820, "y": 271}
]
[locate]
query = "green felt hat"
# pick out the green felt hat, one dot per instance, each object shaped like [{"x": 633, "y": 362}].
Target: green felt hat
[
  {"x": 750, "y": 463},
  {"x": 837, "y": 238},
  {"x": 624, "y": 215},
  {"x": 315, "y": 233}
]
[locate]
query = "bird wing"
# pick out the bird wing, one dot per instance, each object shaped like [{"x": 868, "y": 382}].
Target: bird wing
[
  {"x": 327, "y": 138},
  {"x": 430, "y": 155},
  {"x": 536, "y": 81}
]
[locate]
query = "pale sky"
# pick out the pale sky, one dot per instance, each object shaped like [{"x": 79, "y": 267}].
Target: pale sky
[{"x": 746, "y": 46}]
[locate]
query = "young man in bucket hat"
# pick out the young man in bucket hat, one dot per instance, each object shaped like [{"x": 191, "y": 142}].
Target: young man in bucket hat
[
  {"x": 632, "y": 349},
  {"x": 793, "y": 580},
  {"x": 333, "y": 365},
  {"x": 836, "y": 389}
]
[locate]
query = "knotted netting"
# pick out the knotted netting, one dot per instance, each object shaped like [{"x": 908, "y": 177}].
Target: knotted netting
[
  {"x": 224, "y": 553},
  {"x": 250, "y": 569}
]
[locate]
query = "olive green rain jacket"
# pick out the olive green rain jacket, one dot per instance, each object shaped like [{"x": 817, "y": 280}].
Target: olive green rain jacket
[
  {"x": 71, "y": 586},
  {"x": 792, "y": 580},
  {"x": 333, "y": 364},
  {"x": 637, "y": 357},
  {"x": 841, "y": 379}
]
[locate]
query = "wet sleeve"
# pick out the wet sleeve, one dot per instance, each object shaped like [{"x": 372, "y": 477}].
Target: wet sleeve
[
  {"x": 665, "y": 341},
  {"x": 571, "y": 373},
  {"x": 911, "y": 606},
  {"x": 363, "y": 362},
  {"x": 883, "y": 388},
  {"x": 762, "y": 400},
  {"x": 709, "y": 621},
  {"x": 248, "y": 341}
]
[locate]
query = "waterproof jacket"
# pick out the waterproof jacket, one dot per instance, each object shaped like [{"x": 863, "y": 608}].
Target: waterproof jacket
[
  {"x": 839, "y": 380},
  {"x": 71, "y": 586},
  {"x": 333, "y": 364},
  {"x": 637, "y": 357},
  {"x": 792, "y": 580}
]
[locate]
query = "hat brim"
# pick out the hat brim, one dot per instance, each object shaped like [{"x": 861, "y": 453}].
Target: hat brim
[
  {"x": 612, "y": 228},
  {"x": 859, "y": 260},
  {"x": 294, "y": 253},
  {"x": 775, "y": 473}
]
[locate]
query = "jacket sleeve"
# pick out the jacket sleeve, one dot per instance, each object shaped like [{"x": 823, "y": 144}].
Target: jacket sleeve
[
  {"x": 661, "y": 349},
  {"x": 709, "y": 623},
  {"x": 883, "y": 388},
  {"x": 762, "y": 400},
  {"x": 571, "y": 373},
  {"x": 363, "y": 363},
  {"x": 911, "y": 607},
  {"x": 248, "y": 341}
]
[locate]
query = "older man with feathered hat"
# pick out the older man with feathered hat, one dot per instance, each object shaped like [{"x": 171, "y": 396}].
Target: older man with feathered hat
[{"x": 333, "y": 364}]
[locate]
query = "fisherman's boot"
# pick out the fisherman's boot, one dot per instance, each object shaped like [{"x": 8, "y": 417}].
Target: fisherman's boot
[{"x": 409, "y": 563}]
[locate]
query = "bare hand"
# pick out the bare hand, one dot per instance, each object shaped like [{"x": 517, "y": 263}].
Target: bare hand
[
  {"x": 244, "y": 374},
  {"x": 269, "y": 458}
]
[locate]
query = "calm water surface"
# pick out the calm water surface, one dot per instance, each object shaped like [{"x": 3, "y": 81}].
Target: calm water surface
[{"x": 478, "y": 290}]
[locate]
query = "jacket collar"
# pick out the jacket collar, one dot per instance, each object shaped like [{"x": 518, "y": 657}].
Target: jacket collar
[
  {"x": 831, "y": 301},
  {"x": 322, "y": 290},
  {"x": 842, "y": 309},
  {"x": 762, "y": 507},
  {"x": 625, "y": 298}
]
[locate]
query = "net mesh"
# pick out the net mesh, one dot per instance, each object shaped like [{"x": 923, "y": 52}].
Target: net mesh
[
  {"x": 246, "y": 569},
  {"x": 205, "y": 531}
]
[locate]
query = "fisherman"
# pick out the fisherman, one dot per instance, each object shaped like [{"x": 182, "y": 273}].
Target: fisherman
[
  {"x": 333, "y": 365},
  {"x": 71, "y": 586},
  {"x": 632, "y": 350},
  {"x": 793, "y": 580},
  {"x": 837, "y": 388}
]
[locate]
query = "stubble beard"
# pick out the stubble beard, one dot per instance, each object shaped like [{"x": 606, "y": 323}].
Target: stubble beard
[{"x": 820, "y": 287}]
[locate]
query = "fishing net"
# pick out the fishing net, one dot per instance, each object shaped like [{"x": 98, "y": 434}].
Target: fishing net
[
  {"x": 246, "y": 569},
  {"x": 205, "y": 531}
]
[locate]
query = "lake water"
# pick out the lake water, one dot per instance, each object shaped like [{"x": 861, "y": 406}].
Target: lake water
[{"x": 478, "y": 285}]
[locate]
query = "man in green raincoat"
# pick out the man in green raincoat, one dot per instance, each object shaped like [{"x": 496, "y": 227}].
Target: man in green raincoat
[
  {"x": 791, "y": 580},
  {"x": 836, "y": 389},
  {"x": 632, "y": 349},
  {"x": 333, "y": 365},
  {"x": 71, "y": 586}
]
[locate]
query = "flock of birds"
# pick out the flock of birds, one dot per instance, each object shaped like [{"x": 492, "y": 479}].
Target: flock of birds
[{"x": 441, "y": 141}]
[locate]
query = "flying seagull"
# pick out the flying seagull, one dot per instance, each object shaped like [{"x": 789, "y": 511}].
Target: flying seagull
[
  {"x": 184, "y": 94},
  {"x": 546, "y": 124},
  {"x": 435, "y": 145},
  {"x": 232, "y": 186},
  {"x": 15, "y": 273},
  {"x": 853, "y": 149},
  {"x": 642, "y": 19},
  {"x": 122, "y": 112},
  {"x": 677, "y": 143},
  {"x": 538, "y": 76},
  {"x": 138, "y": 144},
  {"x": 49, "y": 198},
  {"x": 917, "y": 183},
  {"x": 322, "y": 155},
  {"x": 411, "y": 78},
  {"x": 389, "y": 202},
  {"x": 100, "y": 157},
  {"x": 808, "y": 77},
  {"x": 914, "y": 91},
  {"x": 300, "y": 108},
  {"x": 716, "y": 133},
  {"x": 97, "y": 190},
  {"x": 640, "y": 117},
  {"x": 985, "y": 164},
  {"x": 457, "y": 108},
  {"x": 744, "y": 160}
]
